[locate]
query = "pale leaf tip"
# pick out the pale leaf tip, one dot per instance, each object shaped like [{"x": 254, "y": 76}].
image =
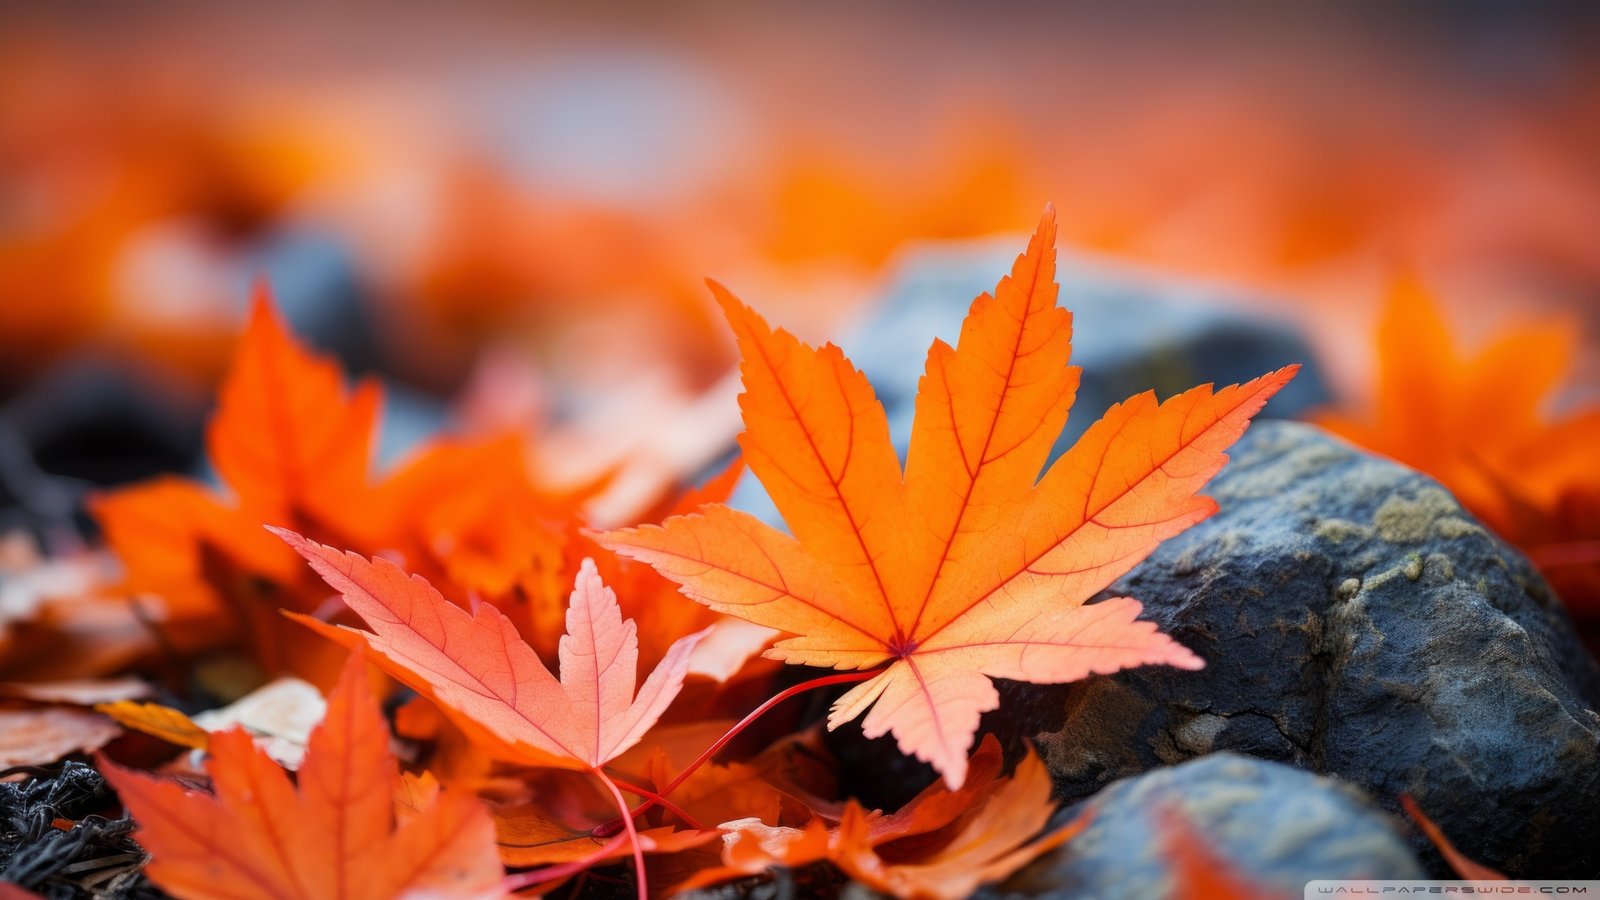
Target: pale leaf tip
[
  {"x": 724, "y": 297},
  {"x": 589, "y": 589},
  {"x": 288, "y": 536},
  {"x": 953, "y": 771}
]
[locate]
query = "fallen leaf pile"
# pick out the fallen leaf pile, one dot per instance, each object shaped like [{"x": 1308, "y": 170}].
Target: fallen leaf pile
[
  {"x": 293, "y": 448},
  {"x": 487, "y": 729}
]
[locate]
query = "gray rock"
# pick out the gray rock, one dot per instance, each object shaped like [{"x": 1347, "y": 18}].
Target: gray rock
[
  {"x": 1274, "y": 826},
  {"x": 1355, "y": 622},
  {"x": 1133, "y": 330}
]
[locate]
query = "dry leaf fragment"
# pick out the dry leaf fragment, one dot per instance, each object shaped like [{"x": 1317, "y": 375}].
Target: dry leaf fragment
[
  {"x": 280, "y": 716},
  {"x": 156, "y": 720},
  {"x": 968, "y": 565},
  {"x": 942, "y": 845},
  {"x": 28, "y": 579},
  {"x": 78, "y": 691},
  {"x": 39, "y": 737}
]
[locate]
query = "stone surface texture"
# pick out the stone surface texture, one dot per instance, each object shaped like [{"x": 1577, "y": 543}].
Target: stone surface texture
[{"x": 1355, "y": 622}]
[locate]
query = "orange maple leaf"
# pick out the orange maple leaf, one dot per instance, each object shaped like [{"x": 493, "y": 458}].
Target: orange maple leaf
[
  {"x": 335, "y": 836},
  {"x": 1431, "y": 398},
  {"x": 477, "y": 668},
  {"x": 942, "y": 845},
  {"x": 967, "y": 565},
  {"x": 476, "y": 524},
  {"x": 292, "y": 447},
  {"x": 287, "y": 439},
  {"x": 205, "y": 561},
  {"x": 1531, "y": 477}
]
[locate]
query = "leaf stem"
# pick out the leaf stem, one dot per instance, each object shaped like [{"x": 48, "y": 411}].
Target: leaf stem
[
  {"x": 662, "y": 801},
  {"x": 633, "y": 833},
  {"x": 610, "y": 828}
]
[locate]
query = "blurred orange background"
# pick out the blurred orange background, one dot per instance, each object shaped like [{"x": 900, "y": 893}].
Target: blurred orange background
[{"x": 505, "y": 180}]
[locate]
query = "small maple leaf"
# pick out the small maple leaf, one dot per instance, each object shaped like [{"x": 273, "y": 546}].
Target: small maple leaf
[
  {"x": 968, "y": 564},
  {"x": 334, "y": 837},
  {"x": 476, "y": 666},
  {"x": 942, "y": 845},
  {"x": 479, "y": 671}
]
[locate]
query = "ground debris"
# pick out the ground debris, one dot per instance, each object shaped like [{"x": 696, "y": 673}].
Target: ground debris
[{"x": 94, "y": 857}]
